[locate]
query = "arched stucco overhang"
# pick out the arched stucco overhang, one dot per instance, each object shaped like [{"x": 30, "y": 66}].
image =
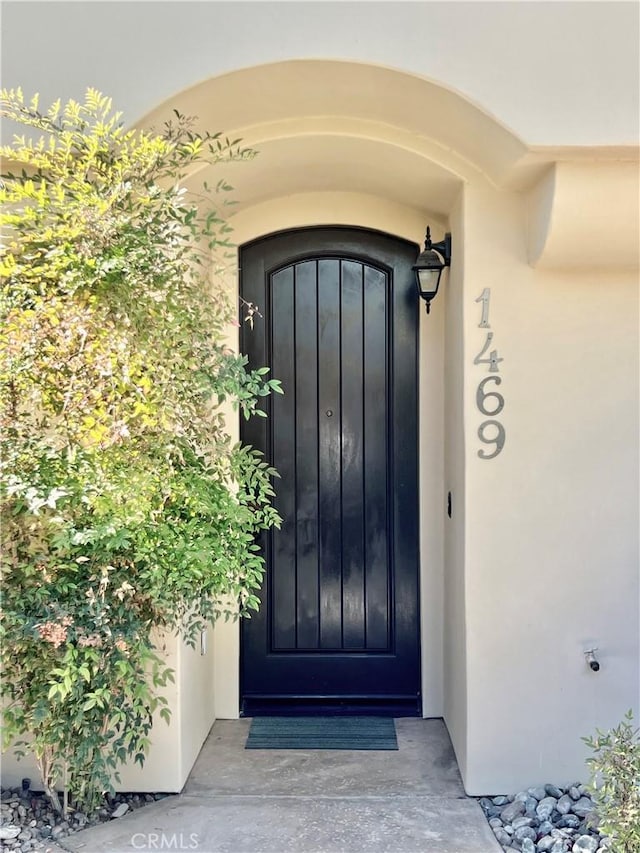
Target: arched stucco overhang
[
  {"x": 333, "y": 126},
  {"x": 313, "y": 100}
]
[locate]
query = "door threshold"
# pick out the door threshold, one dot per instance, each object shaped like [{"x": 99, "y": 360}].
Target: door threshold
[{"x": 296, "y": 706}]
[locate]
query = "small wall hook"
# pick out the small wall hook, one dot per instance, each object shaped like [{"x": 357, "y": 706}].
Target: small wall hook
[{"x": 590, "y": 657}]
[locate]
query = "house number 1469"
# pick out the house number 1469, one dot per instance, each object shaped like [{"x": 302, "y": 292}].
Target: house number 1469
[{"x": 489, "y": 401}]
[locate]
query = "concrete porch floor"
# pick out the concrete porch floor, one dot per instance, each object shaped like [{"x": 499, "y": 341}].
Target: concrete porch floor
[{"x": 286, "y": 801}]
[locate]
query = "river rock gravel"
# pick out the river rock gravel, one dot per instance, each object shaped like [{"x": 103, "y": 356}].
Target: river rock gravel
[
  {"x": 29, "y": 823},
  {"x": 546, "y": 819}
]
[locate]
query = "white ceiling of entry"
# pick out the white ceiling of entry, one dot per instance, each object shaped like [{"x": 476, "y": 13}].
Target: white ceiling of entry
[{"x": 302, "y": 164}]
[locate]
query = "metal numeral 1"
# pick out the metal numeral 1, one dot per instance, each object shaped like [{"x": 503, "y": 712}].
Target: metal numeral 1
[{"x": 484, "y": 298}]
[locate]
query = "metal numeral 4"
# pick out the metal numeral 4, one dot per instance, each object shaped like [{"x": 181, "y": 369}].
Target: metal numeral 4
[{"x": 493, "y": 359}]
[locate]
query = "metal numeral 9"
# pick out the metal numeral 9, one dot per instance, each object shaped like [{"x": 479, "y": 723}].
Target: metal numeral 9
[{"x": 498, "y": 440}]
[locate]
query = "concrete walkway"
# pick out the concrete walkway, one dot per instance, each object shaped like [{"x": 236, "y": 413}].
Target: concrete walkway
[{"x": 285, "y": 801}]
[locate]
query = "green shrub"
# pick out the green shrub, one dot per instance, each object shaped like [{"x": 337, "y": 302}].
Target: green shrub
[
  {"x": 125, "y": 505},
  {"x": 615, "y": 769}
]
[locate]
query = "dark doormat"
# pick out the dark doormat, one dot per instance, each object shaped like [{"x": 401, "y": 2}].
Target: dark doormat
[{"x": 322, "y": 733}]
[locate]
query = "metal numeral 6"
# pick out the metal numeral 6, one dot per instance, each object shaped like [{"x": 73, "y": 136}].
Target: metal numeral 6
[
  {"x": 482, "y": 397},
  {"x": 498, "y": 440}
]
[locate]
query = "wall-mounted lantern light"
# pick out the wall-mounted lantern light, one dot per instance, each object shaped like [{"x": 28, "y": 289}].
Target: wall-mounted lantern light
[{"x": 429, "y": 265}]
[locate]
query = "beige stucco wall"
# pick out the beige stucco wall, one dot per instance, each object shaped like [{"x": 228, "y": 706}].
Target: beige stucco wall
[
  {"x": 551, "y": 538},
  {"x": 454, "y": 601},
  {"x": 197, "y": 700}
]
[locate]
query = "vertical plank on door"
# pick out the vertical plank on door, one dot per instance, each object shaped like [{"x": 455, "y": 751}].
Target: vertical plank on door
[
  {"x": 353, "y": 590},
  {"x": 376, "y": 456},
  {"x": 306, "y": 452},
  {"x": 283, "y": 587},
  {"x": 330, "y": 497}
]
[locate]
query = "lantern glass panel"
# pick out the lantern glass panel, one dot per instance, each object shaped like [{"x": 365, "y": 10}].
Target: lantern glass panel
[{"x": 428, "y": 280}]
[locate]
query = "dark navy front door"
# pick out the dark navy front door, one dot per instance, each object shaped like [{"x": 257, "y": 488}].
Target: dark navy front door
[{"x": 338, "y": 629}]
